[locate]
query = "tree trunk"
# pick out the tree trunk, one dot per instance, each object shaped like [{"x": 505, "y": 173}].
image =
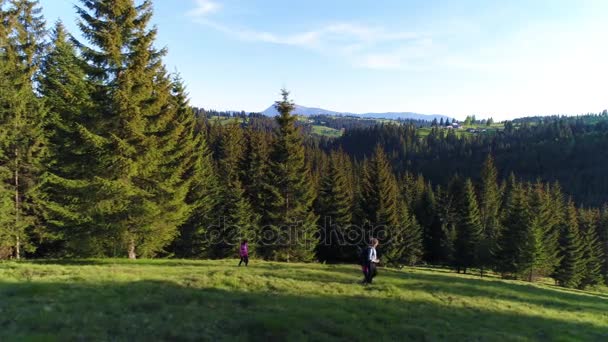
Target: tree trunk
[
  {"x": 17, "y": 208},
  {"x": 132, "y": 254}
]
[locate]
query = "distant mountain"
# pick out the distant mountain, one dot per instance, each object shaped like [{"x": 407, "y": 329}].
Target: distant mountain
[{"x": 308, "y": 111}]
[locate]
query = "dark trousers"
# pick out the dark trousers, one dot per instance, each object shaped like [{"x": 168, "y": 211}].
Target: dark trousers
[
  {"x": 371, "y": 272},
  {"x": 244, "y": 259}
]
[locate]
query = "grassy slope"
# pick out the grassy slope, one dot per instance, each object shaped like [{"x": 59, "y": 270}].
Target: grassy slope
[
  {"x": 194, "y": 300},
  {"x": 326, "y": 131}
]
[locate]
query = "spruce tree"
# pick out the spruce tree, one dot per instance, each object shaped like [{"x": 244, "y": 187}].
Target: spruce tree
[
  {"x": 334, "y": 206},
  {"x": 139, "y": 197},
  {"x": 197, "y": 170},
  {"x": 379, "y": 202},
  {"x": 295, "y": 223},
  {"x": 22, "y": 121},
  {"x": 572, "y": 265},
  {"x": 489, "y": 207},
  {"x": 260, "y": 189},
  {"x": 532, "y": 259},
  {"x": 538, "y": 253},
  {"x": 406, "y": 246},
  {"x": 469, "y": 231},
  {"x": 412, "y": 190},
  {"x": 515, "y": 224},
  {"x": 448, "y": 218},
  {"x": 236, "y": 219},
  {"x": 428, "y": 215},
  {"x": 592, "y": 248},
  {"x": 67, "y": 95},
  {"x": 603, "y": 236}
]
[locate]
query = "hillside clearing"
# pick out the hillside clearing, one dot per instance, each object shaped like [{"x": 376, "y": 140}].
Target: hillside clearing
[{"x": 193, "y": 300}]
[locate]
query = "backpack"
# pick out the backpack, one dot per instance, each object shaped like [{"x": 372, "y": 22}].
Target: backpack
[{"x": 363, "y": 256}]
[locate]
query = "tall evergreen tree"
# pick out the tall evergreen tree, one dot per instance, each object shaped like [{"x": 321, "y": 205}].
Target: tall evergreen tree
[
  {"x": 515, "y": 223},
  {"x": 489, "y": 207},
  {"x": 403, "y": 245},
  {"x": 295, "y": 223},
  {"x": 139, "y": 198},
  {"x": 334, "y": 206},
  {"x": 603, "y": 236},
  {"x": 198, "y": 173},
  {"x": 469, "y": 231},
  {"x": 447, "y": 217},
  {"x": 593, "y": 255},
  {"x": 380, "y": 205},
  {"x": 538, "y": 253},
  {"x": 260, "y": 188},
  {"x": 236, "y": 218},
  {"x": 67, "y": 95},
  {"x": 572, "y": 266},
  {"x": 22, "y": 120},
  {"x": 428, "y": 215}
]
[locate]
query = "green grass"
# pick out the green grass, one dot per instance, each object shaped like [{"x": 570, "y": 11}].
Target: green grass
[
  {"x": 222, "y": 120},
  {"x": 215, "y": 300},
  {"x": 326, "y": 131}
]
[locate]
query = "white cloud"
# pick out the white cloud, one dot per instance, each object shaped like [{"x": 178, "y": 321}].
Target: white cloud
[
  {"x": 204, "y": 8},
  {"x": 362, "y": 45},
  {"x": 356, "y": 43}
]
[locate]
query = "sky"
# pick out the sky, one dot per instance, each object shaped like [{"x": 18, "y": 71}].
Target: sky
[{"x": 500, "y": 59}]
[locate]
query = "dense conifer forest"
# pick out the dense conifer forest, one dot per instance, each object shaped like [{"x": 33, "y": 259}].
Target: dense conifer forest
[{"x": 101, "y": 155}]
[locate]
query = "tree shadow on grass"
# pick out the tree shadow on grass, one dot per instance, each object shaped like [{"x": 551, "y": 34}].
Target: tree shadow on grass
[
  {"x": 138, "y": 262},
  {"x": 525, "y": 293},
  {"x": 156, "y": 310}
]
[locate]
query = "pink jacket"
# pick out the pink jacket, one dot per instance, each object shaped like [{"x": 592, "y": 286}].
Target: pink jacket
[{"x": 244, "y": 250}]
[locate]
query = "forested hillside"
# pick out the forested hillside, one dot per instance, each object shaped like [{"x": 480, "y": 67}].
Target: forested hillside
[
  {"x": 571, "y": 151},
  {"x": 101, "y": 155}
]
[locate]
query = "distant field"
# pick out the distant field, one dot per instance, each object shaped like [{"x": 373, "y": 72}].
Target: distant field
[
  {"x": 463, "y": 131},
  {"x": 326, "y": 131},
  {"x": 215, "y": 300},
  {"x": 224, "y": 120}
]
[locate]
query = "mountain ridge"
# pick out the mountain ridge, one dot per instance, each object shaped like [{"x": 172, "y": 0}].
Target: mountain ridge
[{"x": 309, "y": 111}]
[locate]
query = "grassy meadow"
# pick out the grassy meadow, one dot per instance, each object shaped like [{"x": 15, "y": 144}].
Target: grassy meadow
[
  {"x": 326, "y": 131},
  {"x": 215, "y": 300}
]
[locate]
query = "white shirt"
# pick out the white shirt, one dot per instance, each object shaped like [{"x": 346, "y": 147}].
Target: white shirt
[{"x": 373, "y": 257}]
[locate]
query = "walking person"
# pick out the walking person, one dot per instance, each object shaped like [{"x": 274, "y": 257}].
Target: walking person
[
  {"x": 372, "y": 260},
  {"x": 244, "y": 252}
]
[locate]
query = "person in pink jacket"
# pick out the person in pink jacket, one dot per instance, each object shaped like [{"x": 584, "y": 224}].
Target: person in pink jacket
[{"x": 244, "y": 252}]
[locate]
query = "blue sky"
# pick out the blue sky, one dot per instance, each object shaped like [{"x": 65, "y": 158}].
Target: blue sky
[{"x": 503, "y": 59}]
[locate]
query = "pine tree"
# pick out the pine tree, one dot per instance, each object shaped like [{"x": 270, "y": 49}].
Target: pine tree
[
  {"x": 549, "y": 206},
  {"x": 412, "y": 190},
  {"x": 260, "y": 189},
  {"x": 448, "y": 218},
  {"x": 139, "y": 197},
  {"x": 603, "y": 236},
  {"x": 515, "y": 224},
  {"x": 428, "y": 215},
  {"x": 538, "y": 254},
  {"x": 469, "y": 231},
  {"x": 22, "y": 121},
  {"x": 379, "y": 203},
  {"x": 571, "y": 268},
  {"x": 405, "y": 247},
  {"x": 236, "y": 218},
  {"x": 592, "y": 248},
  {"x": 334, "y": 206},
  {"x": 67, "y": 95},
  {"x": 489, "y": 206},
  {"x": 198, "y": 170},
  {"x": 295, "y": 223}
]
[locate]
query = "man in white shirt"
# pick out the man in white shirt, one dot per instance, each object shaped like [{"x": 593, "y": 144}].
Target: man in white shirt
[{"x": 372, "y": 260}]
